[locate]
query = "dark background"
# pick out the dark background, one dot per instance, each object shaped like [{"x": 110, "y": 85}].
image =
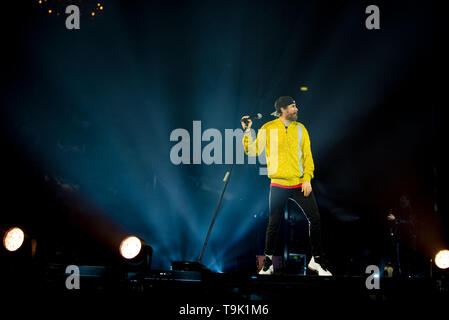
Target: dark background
[{"x": 87, "y": 116}]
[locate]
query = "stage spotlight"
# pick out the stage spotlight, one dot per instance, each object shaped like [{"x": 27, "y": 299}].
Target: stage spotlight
[
  {"x": 13, "y": 239},
  {"x": 130, "y": 247},
  {"x": 442, "y": 259},
  {"x": 136, "y": 254}
]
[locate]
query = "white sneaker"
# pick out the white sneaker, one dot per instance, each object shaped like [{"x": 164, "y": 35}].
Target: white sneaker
[
  {"x": 267, "y": 266},
  {"x": 315, "y": 266}
]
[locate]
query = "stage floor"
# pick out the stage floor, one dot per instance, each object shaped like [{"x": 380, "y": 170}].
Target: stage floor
[{"x": 185, "y": 294}]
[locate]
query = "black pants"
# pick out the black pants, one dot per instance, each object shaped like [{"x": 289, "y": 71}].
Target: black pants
[{"x": 278, "y": 199}]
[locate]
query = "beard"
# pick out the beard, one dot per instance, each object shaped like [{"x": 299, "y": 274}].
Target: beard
[{"x": 292, "y": 116}]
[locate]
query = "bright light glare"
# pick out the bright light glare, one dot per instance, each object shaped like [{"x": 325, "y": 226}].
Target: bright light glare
[
  {"x": 13, "y": 239},
  {"x": 442, "y": 259},
  {"x": 130, "y": 247}
]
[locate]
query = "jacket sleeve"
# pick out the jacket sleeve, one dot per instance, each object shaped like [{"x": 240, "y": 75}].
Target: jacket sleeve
[
  {"x": 309, "y": 166},
  {"x": 254, "y": 147}
]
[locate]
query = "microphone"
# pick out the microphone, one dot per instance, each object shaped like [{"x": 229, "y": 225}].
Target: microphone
[{"x": 256, "y": 117}]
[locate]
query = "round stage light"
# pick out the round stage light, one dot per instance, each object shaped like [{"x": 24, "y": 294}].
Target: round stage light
[
  {"x": 130, "y": 247},
  {"x": 442, "y": 259},
  {"x": 13, "y": 239}
]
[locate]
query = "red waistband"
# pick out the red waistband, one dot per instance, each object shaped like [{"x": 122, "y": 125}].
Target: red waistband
[{"x": 285, "y": 187}]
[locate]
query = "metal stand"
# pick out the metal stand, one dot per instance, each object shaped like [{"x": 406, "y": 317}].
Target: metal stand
[
  {"x": 226, "y": 180},
  {"x": 198, "y": 266}
]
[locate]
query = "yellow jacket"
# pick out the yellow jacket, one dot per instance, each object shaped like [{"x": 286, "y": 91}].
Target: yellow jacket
[{"x": 288, "y": 153}]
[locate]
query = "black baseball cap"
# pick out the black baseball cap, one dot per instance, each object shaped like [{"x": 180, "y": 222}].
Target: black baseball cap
[{"x": 282, "y": 102}]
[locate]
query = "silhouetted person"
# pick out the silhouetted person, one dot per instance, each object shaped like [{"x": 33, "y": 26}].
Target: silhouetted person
[{"x": 403, "y": 236}]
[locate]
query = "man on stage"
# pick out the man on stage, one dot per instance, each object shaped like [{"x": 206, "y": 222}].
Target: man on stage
[{"x": 290, "y": 168}]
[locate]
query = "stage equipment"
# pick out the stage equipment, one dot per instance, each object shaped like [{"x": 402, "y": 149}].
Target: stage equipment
[
  {"x": 442, "y": 259},
  {"x": 13, "y": 239},
  {"x": 136, "y": 254},
  {"x": 198, "y": 266}
]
